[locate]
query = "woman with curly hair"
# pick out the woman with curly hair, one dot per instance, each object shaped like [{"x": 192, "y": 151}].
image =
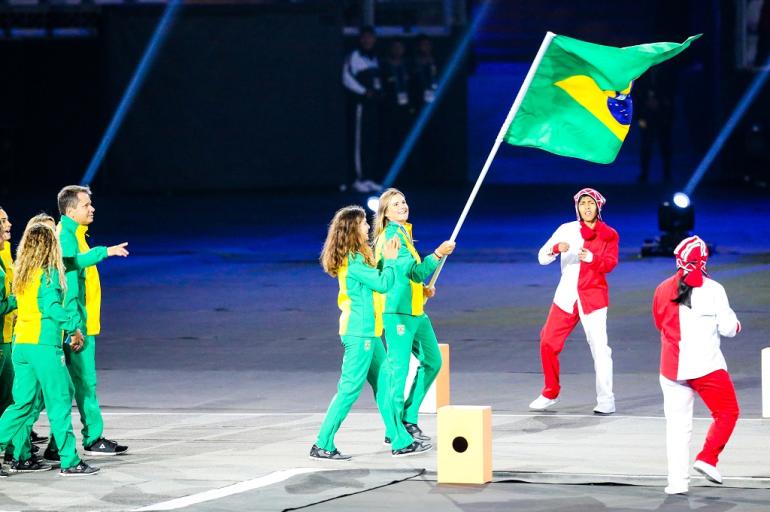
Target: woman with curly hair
[
  {"x": 347, "y": 256},
  {"x": 38, "y": 356}
]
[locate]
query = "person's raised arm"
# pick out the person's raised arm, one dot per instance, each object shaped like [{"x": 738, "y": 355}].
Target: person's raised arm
[{"x": 378, "y": 279}]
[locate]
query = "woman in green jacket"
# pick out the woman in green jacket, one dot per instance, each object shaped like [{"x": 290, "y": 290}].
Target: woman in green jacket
[
  {"x": 347, "y": 256},
  {"x": 407, "y": 328},
  {"x": 38, "y": 357}
]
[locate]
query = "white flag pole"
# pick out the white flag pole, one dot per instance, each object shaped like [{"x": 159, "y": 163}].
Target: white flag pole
[{"x": 508, "y": 120}]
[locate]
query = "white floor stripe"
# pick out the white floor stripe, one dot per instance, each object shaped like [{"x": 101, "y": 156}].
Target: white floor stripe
[
  {"x": 494, "y": 414},
  {"x": 240, "y": 487}
]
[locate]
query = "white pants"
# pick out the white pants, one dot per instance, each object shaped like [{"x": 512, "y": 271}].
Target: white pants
[
  {"x": 557, "y": 328},
  {"x": 678, "y": 399},
  {"x": 595, "y": 326}
]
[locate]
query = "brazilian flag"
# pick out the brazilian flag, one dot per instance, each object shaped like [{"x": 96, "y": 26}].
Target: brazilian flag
[{"x": 578, "y": 103}]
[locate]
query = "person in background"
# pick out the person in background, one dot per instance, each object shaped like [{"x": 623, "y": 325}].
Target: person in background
[
  {"x": 397, "y": 104},
  {"x": 361, "y": 79}
]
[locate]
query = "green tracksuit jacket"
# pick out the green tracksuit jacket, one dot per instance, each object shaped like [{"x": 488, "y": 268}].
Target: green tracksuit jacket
[
  {"x": 406, "y": 296},
  {"x": 361, "y": 315}
]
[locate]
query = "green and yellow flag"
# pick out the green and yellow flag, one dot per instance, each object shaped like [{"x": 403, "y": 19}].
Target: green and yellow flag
[{"x": 578, "y": 103}]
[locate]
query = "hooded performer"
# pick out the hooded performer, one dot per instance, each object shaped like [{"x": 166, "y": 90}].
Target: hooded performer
[
  {"x": 692, "y": 311},
  {"x": 588, "y": 249}
]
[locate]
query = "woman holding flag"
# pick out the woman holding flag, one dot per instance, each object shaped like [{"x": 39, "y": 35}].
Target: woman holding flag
[{"x": 407, "y": 328}]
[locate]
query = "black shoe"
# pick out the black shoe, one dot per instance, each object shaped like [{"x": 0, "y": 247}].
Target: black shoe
[
  {"x": 104, "y": 446},
  {"x": 34, "y": 448},
  {"x": 36, "y": 438},
  {"x": 31, "y": 465},
  {"x": 52, "y": 455},
  {"x": 415, "y": 432},
  {"x": 317, "y": 453},
  {"x": 413, "y": 449},
  {"x": 7, "y": 458},
  {"x": 3, "y": 473},
  {"x": 82, "y": 469},
  {"x": 386, "y": 441}
]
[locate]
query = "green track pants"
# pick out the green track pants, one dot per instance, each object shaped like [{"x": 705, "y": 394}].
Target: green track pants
[
  {"x": 36, "y": 368},
  {"x": 19, "y": 447},
  {"x": 360, "y": 363},
  {"x": 82, "y": 368},
  {"x": 406, "y": 335}
]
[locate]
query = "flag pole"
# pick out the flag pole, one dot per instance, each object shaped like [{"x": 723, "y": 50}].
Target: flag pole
[{"x": 503, "y": 129}]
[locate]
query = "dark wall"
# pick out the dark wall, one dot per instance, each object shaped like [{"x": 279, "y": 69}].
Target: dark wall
[
  {"x": 239, "y": 98},
  {"x": 49, "y": 120}
]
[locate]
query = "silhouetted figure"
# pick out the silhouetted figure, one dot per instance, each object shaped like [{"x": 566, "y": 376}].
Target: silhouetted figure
[
  {"x": 653, "y": 102},
  {"x": 397, "y": 105},
  {"x": 361, "y": 78},
  {"x": 429, "y": 153}
]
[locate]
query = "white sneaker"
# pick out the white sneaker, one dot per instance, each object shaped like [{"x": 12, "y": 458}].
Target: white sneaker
[
  {"x": 710, "y": 472},
  {"x": 542, "y": 403},
  {"x": 604, "y": 409},
  {"x": 676, "y": 489}
]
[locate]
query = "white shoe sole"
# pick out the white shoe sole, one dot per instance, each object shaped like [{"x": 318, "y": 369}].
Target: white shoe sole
[
  {"x": 68, "y": 475},
  {"x": 706, "y": 475},
  {"x": 103, "y": 454},
  {"x": 673, "y": 491},
  {"x": 49, "y": 468},
  {"x": 409, "y": 454},
  {"x": 321, "y": 459},
  {"x": 544, "y": 408}
]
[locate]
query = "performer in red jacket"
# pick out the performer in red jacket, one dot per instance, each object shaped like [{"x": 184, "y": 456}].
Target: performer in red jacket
[
  {"x": 692, "y": 311},
  {"x": 589, "y": 249}
]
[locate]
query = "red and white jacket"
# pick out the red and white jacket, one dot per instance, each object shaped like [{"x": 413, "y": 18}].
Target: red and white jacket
[
  {"x": 690, "y": 336},
  {"x": 579, "y": 279}
]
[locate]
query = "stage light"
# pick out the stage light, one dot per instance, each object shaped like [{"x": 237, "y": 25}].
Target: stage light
[
  {"x": 681, "y": 200},
  {"x": 373, "y": 203},
  {"x": 675, "y": 220}
]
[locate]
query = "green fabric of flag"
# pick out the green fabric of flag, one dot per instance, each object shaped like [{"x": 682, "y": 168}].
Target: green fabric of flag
[{"x": 579, "y": 103}]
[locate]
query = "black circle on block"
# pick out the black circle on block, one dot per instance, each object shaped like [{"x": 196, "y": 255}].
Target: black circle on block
[{"x": 459, "y": 444}]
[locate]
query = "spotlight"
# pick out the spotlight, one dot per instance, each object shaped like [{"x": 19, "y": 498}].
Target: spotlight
[
  {"x": 373, "y": 203},
  {"x": 681, "y": 200},
  {"x": 675, "y": 220}
]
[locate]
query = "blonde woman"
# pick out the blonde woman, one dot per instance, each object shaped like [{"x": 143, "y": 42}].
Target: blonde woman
[
  {"x": 407, "y": 328},
  {"x": 38, "y": 355},
  {"x": 347, "y": 256}
]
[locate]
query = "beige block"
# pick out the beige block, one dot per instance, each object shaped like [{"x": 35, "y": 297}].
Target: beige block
[{"x": 464, "y": 444}]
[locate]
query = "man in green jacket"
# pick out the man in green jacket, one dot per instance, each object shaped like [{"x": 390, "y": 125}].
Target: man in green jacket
[{"x": 83, "y": 298}]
